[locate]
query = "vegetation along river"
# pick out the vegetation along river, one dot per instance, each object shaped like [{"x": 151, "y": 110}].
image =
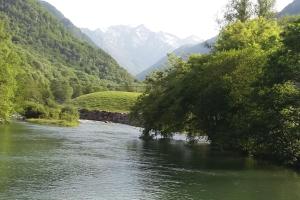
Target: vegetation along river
[{"x": 109, "y": 162}]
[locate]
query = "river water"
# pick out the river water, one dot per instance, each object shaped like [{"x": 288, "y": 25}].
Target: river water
[{"x": 98, "y": 161}]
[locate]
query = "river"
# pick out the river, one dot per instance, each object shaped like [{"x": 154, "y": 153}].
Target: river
[{"x": 98, "y": 161}]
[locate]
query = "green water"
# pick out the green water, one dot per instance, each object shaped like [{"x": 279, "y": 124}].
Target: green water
[{"x": 109, "y": 162}]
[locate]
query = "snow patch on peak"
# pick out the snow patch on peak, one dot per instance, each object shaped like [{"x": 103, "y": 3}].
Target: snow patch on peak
[
  {"x": 142, "y": 32},
  {"x": 170, "y": 39},
  {"x": 137, "y": 47}
]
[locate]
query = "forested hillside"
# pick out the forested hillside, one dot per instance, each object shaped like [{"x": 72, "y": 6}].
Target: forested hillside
[
  {"x": 66, "y": 22},
  {"x": 37, "y": 30},
  {"x": 50, "y": 64}
]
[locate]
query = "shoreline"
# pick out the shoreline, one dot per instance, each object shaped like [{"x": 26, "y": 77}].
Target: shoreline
[{"x": 105, "y": 116}]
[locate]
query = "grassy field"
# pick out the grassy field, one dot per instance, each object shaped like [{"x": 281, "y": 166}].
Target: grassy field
[{"x": 111, "y": 101}]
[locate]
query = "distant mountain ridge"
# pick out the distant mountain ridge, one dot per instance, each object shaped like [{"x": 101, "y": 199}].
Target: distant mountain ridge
[
  {"x": 201, "y": 48},
  {"x": 136, "y": 48},
  {"x": 291, "y": 9},
  {"x": 183, "y": 51}
]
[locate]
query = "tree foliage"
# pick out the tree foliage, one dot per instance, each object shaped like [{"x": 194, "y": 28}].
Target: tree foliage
[
  {"x": 265, "y": 8},
  {"x": 41, "y": 33},
  {"x": 244, "y": 10},
  {"x": 243, "y": 96},
  {"x": 7, "y": 75},
  {"x": 238, "y": 10},
  {"x": 258, "y": 33},
  {"x": 43, "y": 64}
]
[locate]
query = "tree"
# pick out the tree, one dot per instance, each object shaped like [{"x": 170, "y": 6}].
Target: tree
[
  {"x": 238, "y": 10},
  {"x": 284, "y": 64},
  {"x": 265, "y": 8},
  {"x": 244, "y": 96},
  {"x": 8, "y": 60},
  {"x": 258, "y": 33},
  {"x": 61, "y": 90}
]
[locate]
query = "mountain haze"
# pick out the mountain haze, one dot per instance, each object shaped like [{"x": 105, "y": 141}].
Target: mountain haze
[
  {"x": 136, "y": 48},
  {"x": 183, "y": 51},
  {"x": 291, "y": 9},
  {"x": 201, "y": 48}
]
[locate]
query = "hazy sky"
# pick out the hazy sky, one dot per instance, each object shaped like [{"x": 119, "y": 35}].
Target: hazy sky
[{"x": 179, "y": 17}]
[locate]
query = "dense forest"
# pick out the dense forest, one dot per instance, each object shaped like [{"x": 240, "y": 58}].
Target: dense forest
[
  {"x": 44, "y": 63},
  {"x": 243, "y": 96}
]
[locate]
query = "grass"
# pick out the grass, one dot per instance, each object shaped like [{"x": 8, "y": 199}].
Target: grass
[
  {"x": 110, "y": 101},
  {"x": 54, "y": 122}
]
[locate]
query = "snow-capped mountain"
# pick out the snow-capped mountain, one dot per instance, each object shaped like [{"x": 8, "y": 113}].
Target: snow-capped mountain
[{"x": 136, "y": 48}]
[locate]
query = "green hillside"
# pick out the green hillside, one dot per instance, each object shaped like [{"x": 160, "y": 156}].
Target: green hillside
[
  {"x": 112, "y": 101},
  {"x": 66, "y": 22},
  {"x": 48, "y": 64},
  {"x": 37, "y": 30}
]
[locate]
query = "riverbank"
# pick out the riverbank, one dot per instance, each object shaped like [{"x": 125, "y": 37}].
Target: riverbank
[
  {"x": 104, "y": 116},
  {"x": 62, "y": 123}
]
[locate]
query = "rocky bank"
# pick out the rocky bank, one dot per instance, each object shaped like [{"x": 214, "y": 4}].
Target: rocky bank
[{"x": 121, "y": 118}]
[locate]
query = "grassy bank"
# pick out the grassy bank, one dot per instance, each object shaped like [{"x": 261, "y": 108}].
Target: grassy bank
[
  {"x": 54, "y": 122},
  {"x": 110, "y": 101}
]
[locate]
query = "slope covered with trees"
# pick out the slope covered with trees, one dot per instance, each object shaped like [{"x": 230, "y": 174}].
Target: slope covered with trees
[
  {"x": 7, "y": 75},
  {"x": 37, "y": 30},
  {"x": 66, "y": 22},
  {"x": 243, "y": 96},
  {"x": 50, "y": 64}
]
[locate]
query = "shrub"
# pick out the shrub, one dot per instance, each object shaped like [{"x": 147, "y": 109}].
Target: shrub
[
  {"x": 69, "y": 113},
  {"x": 34, "y": 110}
]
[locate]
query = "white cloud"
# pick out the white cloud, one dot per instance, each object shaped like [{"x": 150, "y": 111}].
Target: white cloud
[{"x": 180, "y": 17}]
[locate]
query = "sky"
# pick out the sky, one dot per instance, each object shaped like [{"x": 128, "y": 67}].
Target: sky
[{"x": 179, "y": 17}]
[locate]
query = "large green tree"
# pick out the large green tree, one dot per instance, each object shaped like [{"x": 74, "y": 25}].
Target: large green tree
[
  {"x": 265, "y": 8},
  {"x": 258, "y": 33},
  {"x": 244, "y": 95},
  {"x": 278, "y": 100},
  {"x": 238, "y": 10}
]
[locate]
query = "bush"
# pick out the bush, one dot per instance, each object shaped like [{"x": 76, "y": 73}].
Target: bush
[
  {"x": 53, "y": 113},
  {"x": 34, "y": 110},
  {"x": 69, "y": 113}
]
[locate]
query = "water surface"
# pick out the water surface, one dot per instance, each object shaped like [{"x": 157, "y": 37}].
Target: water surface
[{"x": 109, "y": 162}]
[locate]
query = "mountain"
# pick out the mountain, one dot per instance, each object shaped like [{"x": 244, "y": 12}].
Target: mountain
[
  {"x": 53, "y": 60},
  {"x": 136, "y": 48},
  {"x": 291, "y": 9},
  {"x": 184, "y": 51},
  {"x": 66, "y": 22}
]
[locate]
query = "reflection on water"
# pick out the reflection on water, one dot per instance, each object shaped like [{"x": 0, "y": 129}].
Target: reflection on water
[{"x": 109, "y": 162}]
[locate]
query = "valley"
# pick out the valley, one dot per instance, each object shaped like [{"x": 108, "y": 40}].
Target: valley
[{"x": 131, "y": 112}]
